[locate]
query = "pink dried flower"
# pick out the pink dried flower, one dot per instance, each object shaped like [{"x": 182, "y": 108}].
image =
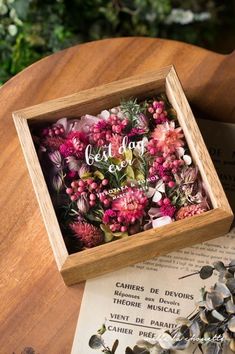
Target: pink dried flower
[
  {"x": 53, "y": 131},
  {"x": 75, "y": 144},
  {"x": 190, "y": 210},
  {"x": 167, "y": 138},
  {"x": 102, "y": 132},
  {"x": 131, "y": 205},
  {"x": 157, "y": 109},
  {"x": 89, "y": 234},
  {"x": 108, "y": 216},
  {"x": 136, "y": 131},
  {"x": 167, "y": 210},
  {"x": 116, "y": 142}
]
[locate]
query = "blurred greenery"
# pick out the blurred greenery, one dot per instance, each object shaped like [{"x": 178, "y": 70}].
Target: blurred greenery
[{"x": 31, "y": 29}]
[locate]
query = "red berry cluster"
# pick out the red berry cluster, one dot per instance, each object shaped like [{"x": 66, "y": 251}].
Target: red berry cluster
[
  {"x": 101, "y": 132},
  {"x": 158, "y": 111},
  {"x": 90, "y": 189},
  {"x": 54, "y": 131},
  {"x": 110, "y": 217},
  {"x": 165, "y": 167}
]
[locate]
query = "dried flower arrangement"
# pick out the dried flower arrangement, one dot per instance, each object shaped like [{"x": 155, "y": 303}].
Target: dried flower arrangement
[
  {"x": 210, "y": 327},
  {"x": 124, "y": 171}
]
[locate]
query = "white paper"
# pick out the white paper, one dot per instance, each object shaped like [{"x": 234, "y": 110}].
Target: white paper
[{"x": 143, "y": 300}]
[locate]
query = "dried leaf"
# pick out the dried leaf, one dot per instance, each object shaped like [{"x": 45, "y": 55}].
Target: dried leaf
[
  {"x": 230, "y": 307},
  {"x": 232, "y": 345},
  {"x": 166, "y": 341},
  {"x": 128, "y": 155},
  {"x": 99, "y": 175},
  {"x": 102, "y": 330},
  {"x": 182, "y": 321},
  {"x": 231, "y": 266},
  {"x": 108, "y": 235},
  {"x": 218, "y": 315},
  {"x": 203, "y": 316},
  {"x": 219, "y": 266},
  {"x": 195, "y": 329},
  {"x": 231, "y": 324},
  {"x": 213, "y": 348},
  {"x": 223, "y": 289},
  {"x": 231, "y": 285},
  {"x": 120, "y": 234},
  {"x": 181, "y": 344},
  {"x": 95, "y": 342},
  {"x": 129, "y": 172},
  {"x": 206, "y": 272},
  {"x": 214, "y": 299},
  {"x": 144, "y": 344},
  {"x": 114, "y": 347},
  {"x": 138, "y": 350},
  {"x": 129, "y": 351}
]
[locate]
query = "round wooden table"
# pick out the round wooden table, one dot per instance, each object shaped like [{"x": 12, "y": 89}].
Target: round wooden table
[{"x": 36, "y": 309}]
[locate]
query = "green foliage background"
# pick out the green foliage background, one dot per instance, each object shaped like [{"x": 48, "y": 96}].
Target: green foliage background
[{"x": 31, "y": 29}]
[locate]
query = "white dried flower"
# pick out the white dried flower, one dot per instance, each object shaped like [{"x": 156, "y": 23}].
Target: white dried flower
[
  {"x": 73, "y": 163},
  {"x": 12, "y": 29},
  {"x": 57, "y": 183},
  {"x": 3, "y": 9},
  {"x": 183, "y": 17},
  {"x": 83, "y": 204},
  {"x": 203, "y": 16}
]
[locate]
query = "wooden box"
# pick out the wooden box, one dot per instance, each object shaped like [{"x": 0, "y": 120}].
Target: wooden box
[{"x": 148, "y": 244}]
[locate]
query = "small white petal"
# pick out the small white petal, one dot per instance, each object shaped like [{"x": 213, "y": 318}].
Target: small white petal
[
  {"x": 105, "y": 114},
  {"x": 150, "y": 192},
  {"x": 166, "y": 341},
  {"x": 12, "y": 29},
  {"x": 154, "y": 212},
  {"x": 180, "y": 151},
  {"x": 161, "y": 186},
  {"x": 187, "y": 159},
  {"x": 120, "y": 115},
  {"x": 157, "y": 196},
  {"x": 114, "y": 110},
  {"x": 164, "y": 220}
]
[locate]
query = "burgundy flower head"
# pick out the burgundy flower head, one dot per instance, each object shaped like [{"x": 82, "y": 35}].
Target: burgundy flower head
[{"x": 89, "y": 234}]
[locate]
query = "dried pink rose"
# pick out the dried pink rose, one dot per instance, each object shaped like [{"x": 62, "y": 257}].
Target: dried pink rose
[{"x": 168, "y": 138}]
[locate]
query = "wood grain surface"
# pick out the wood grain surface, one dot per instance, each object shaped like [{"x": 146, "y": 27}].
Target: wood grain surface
[{"x": 36, "y": 308}]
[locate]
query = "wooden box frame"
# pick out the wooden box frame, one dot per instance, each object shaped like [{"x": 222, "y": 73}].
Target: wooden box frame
[{"x": 117, "y": 254}]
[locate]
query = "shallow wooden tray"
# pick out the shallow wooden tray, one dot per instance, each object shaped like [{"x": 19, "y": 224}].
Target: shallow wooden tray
[{"x": 117, "y": 254}]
